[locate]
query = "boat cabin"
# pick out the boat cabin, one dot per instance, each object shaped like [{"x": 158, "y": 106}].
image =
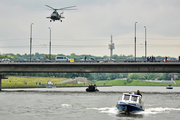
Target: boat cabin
[{"x": 131, "y": 97}]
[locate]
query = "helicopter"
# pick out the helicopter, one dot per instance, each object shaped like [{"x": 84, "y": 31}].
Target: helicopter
[{"x": 55, "y": 15}]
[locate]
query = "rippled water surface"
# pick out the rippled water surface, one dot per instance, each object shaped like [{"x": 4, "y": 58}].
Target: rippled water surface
[{"x": 76, "y": 104}]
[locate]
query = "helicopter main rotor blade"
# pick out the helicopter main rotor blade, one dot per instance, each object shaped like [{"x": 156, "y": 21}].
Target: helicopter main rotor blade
[
  {"x": 66, "y": 8},
  {"x": 50, "y": 7},
  {"x": 69, "y": 9}
]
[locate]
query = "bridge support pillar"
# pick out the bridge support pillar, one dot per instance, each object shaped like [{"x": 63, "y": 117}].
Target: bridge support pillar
[
  {"x": 2, "y": 77},
  {"x": 0, "y": 83}
]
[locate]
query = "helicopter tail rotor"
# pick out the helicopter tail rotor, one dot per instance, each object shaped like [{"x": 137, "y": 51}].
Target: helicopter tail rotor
[{"x": 61, "y": 13}]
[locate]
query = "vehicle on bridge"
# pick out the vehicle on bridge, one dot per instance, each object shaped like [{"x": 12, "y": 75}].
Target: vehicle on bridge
[
  {"x": 89, "y": 60},
  {"x": 44, "y": 59},
  {"x": 35, "y": 59},
  {"x": 21, "y": 60},
  {"x": 5, "y": 60},
  {"x": 129, "y": 59},
  {"x": 109, "y": 60},
  {"x": 170, "y": 59},
  {"x": 62, "y": 59}
]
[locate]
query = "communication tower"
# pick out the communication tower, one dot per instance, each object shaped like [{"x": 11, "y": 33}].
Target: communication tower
[{"x": 111, "y": 47}]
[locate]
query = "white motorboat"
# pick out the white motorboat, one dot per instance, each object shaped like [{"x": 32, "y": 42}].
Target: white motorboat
[
  {"x": 130, "y": 102},
  {"x": 169, "y": 87}
]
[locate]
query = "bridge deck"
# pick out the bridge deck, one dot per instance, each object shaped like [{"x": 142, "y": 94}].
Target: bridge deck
[{"x": 111, "y": 67}]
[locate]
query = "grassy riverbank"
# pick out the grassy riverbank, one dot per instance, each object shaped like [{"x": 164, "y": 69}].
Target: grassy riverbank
[
  {"x": 133, "y": 83},
  {"x": 18, "y": 82},
  {"x": 31, "y": 81}
]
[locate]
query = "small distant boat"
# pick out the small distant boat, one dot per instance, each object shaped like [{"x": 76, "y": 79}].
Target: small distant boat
[
  {"x": 92, "y": 88},
  {"x": 50, "y": 86},
  {"x": 169, "y": 87},
  {"x": 130, "y": 102}
]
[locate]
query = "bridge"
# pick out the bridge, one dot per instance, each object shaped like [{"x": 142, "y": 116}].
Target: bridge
[{"x": 111, "y": 67}]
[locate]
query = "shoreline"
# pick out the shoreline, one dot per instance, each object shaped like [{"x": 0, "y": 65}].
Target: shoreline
[
  {"x": 73, "y": 86},
  {"x": 46, "y": 87}
]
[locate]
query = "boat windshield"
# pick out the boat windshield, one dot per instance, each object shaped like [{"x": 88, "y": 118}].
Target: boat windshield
[
  {"x": 134, "y": 98},
  {"x": 126, "y": 97}
]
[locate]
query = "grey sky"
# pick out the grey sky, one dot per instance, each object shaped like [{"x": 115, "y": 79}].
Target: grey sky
[{"x": 88, "y": 29}]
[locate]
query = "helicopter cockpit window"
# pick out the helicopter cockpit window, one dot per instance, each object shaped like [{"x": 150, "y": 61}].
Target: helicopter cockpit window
[{"x": 53, "y": 14}]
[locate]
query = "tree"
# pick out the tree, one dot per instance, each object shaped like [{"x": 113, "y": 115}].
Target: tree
[
  {"x": 113, "y": 76},
  {"x": 133, "y": 76},
  {"x": 120, "y": 75},
  {"x": 46, "y": 56},
  {"x": 125, "y": 75},
  {"x": 37, "y": 55},
  {"x": 129, "y": 80},
  {"x": 115, "y": 56},
  {"x": 152, "y": 76},
  {"x": 176, "y": 78},
  {"x": 168, "y": 76},
  {"x": 142, "y": 76},
  {"x": 178, "y": 75}
]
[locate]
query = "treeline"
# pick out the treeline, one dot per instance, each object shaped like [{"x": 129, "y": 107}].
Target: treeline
[
  {"x": 105, "y": 76},
  {"x": 134, "y": 76},
  {"x": 73, "y": 55},
  {"x": 153, "y": 76}
]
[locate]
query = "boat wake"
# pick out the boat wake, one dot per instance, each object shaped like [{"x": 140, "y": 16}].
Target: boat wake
[
  {"x": 114, "y": 111},
  {"x": 157, "y": 110},
  {"x": 65, "y": 105},
  {"x": 108, "y": 110}
]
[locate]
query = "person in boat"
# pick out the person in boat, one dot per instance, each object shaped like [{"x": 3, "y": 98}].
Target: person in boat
[{"x": 138, "y": 93}]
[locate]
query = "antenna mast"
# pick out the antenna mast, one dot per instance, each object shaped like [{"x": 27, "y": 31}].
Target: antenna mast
[{"x": 111, "y": 47}]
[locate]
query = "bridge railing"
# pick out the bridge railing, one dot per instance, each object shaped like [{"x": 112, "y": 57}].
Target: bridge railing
[{"x": 78, "y": 61}]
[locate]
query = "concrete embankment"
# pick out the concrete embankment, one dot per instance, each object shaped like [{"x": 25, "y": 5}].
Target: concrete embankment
[{"x": 76, "y": 80}]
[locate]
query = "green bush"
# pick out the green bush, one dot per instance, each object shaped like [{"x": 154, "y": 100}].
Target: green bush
[{"x": 129, "y": 80}]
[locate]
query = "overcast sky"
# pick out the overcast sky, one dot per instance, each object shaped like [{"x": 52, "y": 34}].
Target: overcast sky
[{"x": 88, "y": 30}]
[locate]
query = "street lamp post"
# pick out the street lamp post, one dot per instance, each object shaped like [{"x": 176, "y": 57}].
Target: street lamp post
[
  {"x": 31, "y": 41},
  {"x": 145, "y": 43},
  {"x": 135, "y": 41},
  {"x": 50, "y": 44}
]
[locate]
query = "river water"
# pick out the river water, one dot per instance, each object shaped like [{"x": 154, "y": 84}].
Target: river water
[{"x": 76, "y": 104}]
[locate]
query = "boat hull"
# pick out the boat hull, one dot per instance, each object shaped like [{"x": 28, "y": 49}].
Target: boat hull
[
  {"x": 130, "y": 107},
  {"x": 50, "y": 86},
  {"x": 169, "y": 87},
  {"x": 91, "y": 90}
]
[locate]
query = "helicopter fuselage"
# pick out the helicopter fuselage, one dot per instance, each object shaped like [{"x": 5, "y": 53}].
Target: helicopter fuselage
[{"x": 55, "y": 16}]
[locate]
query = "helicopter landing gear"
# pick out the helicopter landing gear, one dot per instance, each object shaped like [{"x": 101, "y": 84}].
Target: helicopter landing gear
[{"x": 50, "y": 20}]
